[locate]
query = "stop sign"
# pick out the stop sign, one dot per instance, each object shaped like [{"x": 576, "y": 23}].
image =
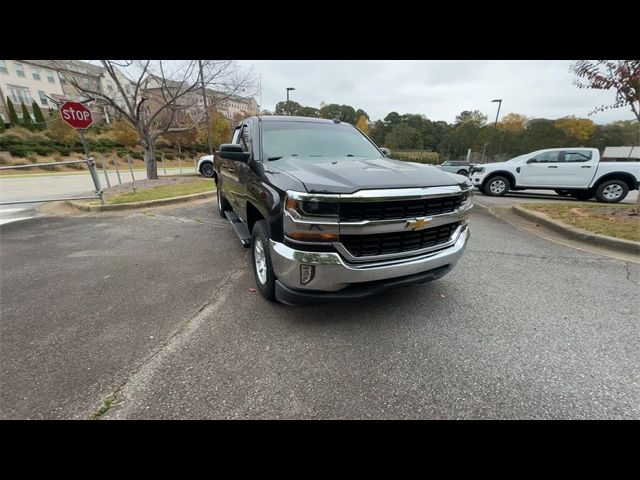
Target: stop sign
[{"x": 76, "y": 114}]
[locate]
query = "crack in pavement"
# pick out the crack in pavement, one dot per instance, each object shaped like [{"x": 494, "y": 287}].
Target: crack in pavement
[
  {"x": 160, "y": 216},
  {"x": 146, "y": 369}
]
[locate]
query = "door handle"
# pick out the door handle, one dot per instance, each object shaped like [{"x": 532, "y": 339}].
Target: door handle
[
  {"x": 585, "y": 166},
  {"x": 552, "y": 166}
]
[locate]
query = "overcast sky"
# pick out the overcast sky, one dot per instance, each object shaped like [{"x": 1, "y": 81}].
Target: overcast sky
[{"x": 436, "y": 88}]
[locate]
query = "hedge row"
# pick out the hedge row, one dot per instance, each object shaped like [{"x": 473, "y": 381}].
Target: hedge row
[{"x": 430, "y": 158}]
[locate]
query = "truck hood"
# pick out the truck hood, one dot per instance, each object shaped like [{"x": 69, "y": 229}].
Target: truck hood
[{"x": 349, "y": 174}]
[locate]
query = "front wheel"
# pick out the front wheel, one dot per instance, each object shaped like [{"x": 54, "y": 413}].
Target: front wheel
[
  {"x": 497, "y": 186},
  {"x": 612, "y": 191},
  {"x": 261, "y": 259},
  {"x": 207, "y": 170},
  {"x": 463, "y": 172}
]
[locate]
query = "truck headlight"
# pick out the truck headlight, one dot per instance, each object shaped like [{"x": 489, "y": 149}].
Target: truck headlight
[
  {"x": 311, "y": 207},
  {"x": 311, "y": 218}
]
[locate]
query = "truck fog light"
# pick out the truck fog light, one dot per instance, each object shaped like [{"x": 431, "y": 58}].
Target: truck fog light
[{"x": 307, "y": 273}]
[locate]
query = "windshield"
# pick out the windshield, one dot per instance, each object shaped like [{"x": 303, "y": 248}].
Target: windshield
[{"x": 314, "y": 139}]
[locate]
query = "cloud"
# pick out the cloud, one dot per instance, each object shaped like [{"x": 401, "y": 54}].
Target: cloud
[{"x": 439, "y": 89}]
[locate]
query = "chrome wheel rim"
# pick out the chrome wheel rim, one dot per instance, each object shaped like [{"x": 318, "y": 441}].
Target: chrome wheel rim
[
  {"x": 497, "y": 186},
  {"x": 260, "y": 261},
  {"x": 612, "y": 192}
]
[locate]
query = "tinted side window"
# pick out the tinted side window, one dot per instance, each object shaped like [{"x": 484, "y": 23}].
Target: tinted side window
[
  {"x": 578, "y": 156},
  {"x": 548, "y": 157}
]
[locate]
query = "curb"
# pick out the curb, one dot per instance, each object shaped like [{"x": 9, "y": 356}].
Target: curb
[
  {"x": 133, "y": 205},
  {"x": 617, "y": 244}
]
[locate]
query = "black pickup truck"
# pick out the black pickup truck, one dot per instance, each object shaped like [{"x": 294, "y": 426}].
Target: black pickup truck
[{"x": 327, "y": 215}]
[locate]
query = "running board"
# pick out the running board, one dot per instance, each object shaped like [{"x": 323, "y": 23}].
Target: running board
[{"x": 241, "y": 229}]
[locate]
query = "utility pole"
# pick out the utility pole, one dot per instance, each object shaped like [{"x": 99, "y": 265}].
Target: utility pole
[
  {"x": 495, "y": 124},
  {"x": 206, "y": 110}
]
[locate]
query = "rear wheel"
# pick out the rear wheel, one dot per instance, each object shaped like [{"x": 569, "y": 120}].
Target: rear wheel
[
  {"x": 612, "y": 191},
  {"x": 463, "y": 172},
  {"x": 261, "y": 259},
  {"x": 497, "y": 186}
]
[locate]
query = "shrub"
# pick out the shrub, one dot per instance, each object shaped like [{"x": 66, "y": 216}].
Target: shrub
[
  {"x": 5, "y": 159},
  {"x": 430, "y": 158},
  {"x": 169, "y": 156}
]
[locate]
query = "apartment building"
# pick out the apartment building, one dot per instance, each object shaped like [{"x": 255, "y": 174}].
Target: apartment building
[{"x": 24, "y": 81}]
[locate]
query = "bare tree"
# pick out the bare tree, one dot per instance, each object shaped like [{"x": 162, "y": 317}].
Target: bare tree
[{"x": 157, "y": 97}]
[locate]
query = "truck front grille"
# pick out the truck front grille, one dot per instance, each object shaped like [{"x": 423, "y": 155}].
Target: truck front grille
[
  {"x": 397, "y": 209},
  {"x": 397, "y": 242}
]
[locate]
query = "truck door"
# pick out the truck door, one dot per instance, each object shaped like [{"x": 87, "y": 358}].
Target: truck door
[
  {"x": 541, "y": 170},
  {"x": 577, "y": 168},
  {"x": 237, "y": 173}
]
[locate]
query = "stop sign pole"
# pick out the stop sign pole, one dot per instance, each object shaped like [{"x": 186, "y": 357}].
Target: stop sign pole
[{"x": 79, "y": 117}]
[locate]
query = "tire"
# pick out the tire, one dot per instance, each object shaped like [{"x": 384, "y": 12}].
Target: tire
[
  {"x": 497, "y": 186},
  {"x": 261, "y": 261},
  {"x": 582, "y": 195},
  {"x": 463, "y": 172},
  {"x": 611, "y": 191},
  {"x": 207, "y": 170},
  {"x": 223, "y": 205}
]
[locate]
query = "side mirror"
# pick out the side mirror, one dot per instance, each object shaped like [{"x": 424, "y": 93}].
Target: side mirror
[
  {"x": 385, "y": 151},
  {"x": 233, "y": 151},
  {"x": 532, "y": 160}
]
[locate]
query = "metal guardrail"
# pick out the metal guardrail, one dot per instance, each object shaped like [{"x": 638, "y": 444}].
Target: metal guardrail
[{"x": 93, "y": 171}]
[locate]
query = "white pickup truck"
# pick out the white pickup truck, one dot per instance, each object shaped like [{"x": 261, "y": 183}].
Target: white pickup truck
[{"x": 578, "y": 172}]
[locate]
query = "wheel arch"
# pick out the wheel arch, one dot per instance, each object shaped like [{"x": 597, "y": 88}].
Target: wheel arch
[
  {"x": 627, "y": 178},
  {"x": 500, "y": 173}
]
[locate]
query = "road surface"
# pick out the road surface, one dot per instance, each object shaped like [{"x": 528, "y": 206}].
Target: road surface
[
  {"x": 25, "y": 188},
  {"x": 156, "y": 310}
]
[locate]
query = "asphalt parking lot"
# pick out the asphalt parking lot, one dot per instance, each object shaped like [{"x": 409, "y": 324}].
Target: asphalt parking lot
[{"x": 153, "y": 312}]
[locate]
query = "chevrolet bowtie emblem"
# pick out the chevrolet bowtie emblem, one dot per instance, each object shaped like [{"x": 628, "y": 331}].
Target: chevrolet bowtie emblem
[{"x": 418, "y": 223}]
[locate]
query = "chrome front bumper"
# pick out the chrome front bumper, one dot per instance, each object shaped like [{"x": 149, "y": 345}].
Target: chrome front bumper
[{"x": 331, "y": 273}]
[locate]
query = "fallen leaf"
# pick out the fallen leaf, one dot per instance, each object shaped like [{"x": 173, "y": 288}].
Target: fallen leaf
[
  {"x": 252, "y": 289},
  {"x": 442, "y": 295}
]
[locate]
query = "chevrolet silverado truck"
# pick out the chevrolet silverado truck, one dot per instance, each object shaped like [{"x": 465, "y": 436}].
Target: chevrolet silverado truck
[
  {"x": 328, "y": 216},
  {"x": 578, "y": 172}
]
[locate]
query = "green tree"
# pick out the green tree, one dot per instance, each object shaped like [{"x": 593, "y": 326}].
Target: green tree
[
  {"x": 393, "y": 119},
  {"x": 26, "y": 118},
  {"x": 544, "y": 133},
  {"x": 38, "y": 117},
  {"x": 287, "y": 108},
  {"x": 13, "y": 116},
  {"x": 378, "y": 132},
  {"x": 333, "y": 110},
  {"x": 475, "y": 117},
  {"x": 309, "y": 112},
  {"x": 348, "y": 114},
  {"x": 404, "y": 136}
]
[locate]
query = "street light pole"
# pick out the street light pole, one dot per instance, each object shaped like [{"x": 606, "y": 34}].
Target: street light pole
[
  {"x": 288, "y": 89},
  {"x": 499, "y": 100}
]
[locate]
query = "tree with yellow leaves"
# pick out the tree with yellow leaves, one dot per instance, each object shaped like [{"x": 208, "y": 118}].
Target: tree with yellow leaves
[
  {"x": 363, "y": 125},
  {"x": 576, "y": 128},
  {"x": 513, "y": 123}
]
